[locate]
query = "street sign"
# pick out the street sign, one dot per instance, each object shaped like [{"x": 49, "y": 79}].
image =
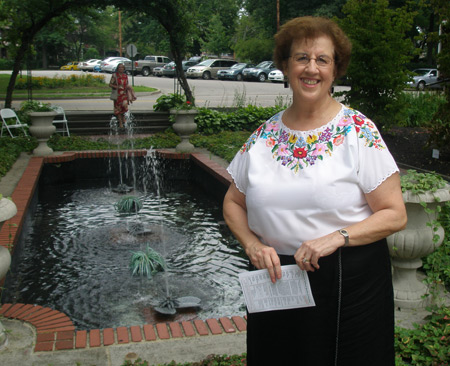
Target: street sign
[{"x": 131, "y": 50}]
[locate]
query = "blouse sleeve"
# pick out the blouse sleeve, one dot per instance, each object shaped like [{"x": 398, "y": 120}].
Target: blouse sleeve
[
  {"x": 376, "y": 163},
  {"x": 238, "y": 170}
]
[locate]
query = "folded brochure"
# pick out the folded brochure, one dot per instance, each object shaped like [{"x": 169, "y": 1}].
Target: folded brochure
[{"x": 292, "y": 291}]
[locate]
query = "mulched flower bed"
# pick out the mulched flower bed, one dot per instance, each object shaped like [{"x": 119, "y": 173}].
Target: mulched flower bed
[{"x": 407, "y": 146}]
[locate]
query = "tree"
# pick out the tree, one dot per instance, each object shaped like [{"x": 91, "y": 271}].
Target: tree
[
  {"x": 225, "y": 11},
  {"x": 51, "y": 42},
  {"x": 176, "y": 18},
  {"x": 146, "y": 33},
  {"x": 251, "y": 41},
  {"x": 380, "y": 52},
  {"x": 265, "y": 10},
  {"x": 217, "y": 41},
  {"x": 25, "y": 18}
]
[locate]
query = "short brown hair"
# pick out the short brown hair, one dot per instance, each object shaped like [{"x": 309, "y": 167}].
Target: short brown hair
[{"x": 310, "y": 28}]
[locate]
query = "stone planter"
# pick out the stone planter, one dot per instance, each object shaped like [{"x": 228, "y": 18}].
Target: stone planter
[
  {"x": 184, "y": 127},
  {"x": 408, "y": 246},
  {"x": 7, "y": 210},
  {"x": 42, "y": 128}
]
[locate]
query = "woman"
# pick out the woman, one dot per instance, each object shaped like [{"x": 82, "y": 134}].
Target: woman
[
  {"x": 125, "y": 93},
  {"x": 316, "y": 186}
]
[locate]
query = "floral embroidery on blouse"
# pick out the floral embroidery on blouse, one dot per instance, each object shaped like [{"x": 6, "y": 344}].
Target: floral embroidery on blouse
[{"x": 297, "y": 152}]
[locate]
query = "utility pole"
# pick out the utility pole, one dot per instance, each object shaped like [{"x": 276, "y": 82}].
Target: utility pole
[{"x": 278, "y": 15}]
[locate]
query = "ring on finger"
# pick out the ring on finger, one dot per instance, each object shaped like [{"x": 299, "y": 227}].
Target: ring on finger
[{"x": 304, "y": 260}]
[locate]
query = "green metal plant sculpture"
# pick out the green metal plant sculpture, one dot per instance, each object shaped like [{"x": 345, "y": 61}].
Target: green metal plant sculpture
[
  {"x": 128, "y": 204},
  {"x": 147, "y": 263}
]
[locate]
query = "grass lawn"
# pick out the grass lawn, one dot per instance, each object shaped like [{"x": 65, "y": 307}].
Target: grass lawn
[{"x": 61, "y": 93}]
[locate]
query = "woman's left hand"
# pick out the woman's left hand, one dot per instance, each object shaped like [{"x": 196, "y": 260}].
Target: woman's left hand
[{"x": 309, "y": 253}]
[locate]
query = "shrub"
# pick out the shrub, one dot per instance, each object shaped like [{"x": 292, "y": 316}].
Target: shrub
[
  {"x": 439, "y": 127},
  {"x": 420, "y": 108},
  {"x": 167, "y": 102},
  {"x": 6, "y": 64},
  {"x": 427, "y": 344},
  {"x": 437, "y": 264},
  {"x": 42, "y": 82},
  {"x": 224, "y": 144},
  {"x": 243, "y": 119},
  {"x": 10, "y": 150}
]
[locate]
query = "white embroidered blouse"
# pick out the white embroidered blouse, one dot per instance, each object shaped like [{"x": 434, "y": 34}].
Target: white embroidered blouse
[{"x": 301, "y": 185}]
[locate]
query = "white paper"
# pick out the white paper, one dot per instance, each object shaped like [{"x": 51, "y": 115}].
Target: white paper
[{"x": 292, "y": 291}]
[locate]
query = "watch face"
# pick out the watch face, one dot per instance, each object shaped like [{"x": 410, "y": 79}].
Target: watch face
[{"x": 344, "y": 233}]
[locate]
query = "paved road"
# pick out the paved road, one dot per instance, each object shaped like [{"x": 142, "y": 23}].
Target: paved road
[{"x": 208, "y": 93}]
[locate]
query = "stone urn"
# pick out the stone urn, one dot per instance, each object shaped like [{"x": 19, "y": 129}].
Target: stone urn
[
  {"x": 7, "y": 210},
  {"x": 184, "y": 127},
  {"x": 42, "y": 128},
  {"x": 408, "y": 246}
]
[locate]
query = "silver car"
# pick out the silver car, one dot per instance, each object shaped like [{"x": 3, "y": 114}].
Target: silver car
[
  {"x": 276, "y": 76},
  {"x": 424, "y": 78},
  {"x": 88, "y": 65},
  {"x": 110, "y": 64},
  {"x": 208, "y": 69}
]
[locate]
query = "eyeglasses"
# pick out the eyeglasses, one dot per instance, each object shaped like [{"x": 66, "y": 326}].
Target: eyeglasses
[{"x": 303, "y": 59}]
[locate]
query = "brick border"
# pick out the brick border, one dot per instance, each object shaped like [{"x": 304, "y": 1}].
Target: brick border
[
  {"x": 54, "y": 329},
  {"x": 56, "y": 332}
]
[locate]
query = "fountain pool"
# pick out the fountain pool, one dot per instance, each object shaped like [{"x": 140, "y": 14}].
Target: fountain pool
[{"x": 75, "y": 255}]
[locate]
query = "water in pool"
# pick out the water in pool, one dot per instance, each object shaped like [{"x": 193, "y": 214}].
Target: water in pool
[{"x": 76, "y": 257}]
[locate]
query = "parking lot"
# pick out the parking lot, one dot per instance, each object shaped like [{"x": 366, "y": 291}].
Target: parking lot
[{"x": 208, "y": 93}]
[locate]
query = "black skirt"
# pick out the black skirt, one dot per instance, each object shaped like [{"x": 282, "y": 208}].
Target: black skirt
[{"x": 351, "y": 324}]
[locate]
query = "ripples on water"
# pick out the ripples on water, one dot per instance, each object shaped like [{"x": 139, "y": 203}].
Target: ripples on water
[{"x": 76, "y": 258}]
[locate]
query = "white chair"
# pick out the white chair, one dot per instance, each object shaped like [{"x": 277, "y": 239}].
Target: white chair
[
  {"x": 61, "y": 119},
  {"x": 11, "y": 121}
]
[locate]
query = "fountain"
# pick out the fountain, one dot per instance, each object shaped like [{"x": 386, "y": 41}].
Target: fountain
[
  {"x": 82, "y": 248},
  {"x": 122, "y": 188}
]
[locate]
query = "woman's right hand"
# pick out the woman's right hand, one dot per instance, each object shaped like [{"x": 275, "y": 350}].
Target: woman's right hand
[{"x": 263, "y": 256}]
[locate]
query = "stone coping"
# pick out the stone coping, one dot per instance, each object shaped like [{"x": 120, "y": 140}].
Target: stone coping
[{"x": 54, "y": 329}]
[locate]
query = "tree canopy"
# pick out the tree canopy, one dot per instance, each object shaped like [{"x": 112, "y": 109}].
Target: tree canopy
[{"x": 381, "y": 50}]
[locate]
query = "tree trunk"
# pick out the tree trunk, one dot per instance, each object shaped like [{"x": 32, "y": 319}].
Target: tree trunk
[
  {"x": 44, "y": 57},
  {"x": 16, "y": 69},
  {"x": 178, "y": 58}
]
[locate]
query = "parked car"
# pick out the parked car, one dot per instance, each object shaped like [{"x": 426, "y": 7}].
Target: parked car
[
  {"x": 170, "y": 69},
  {"x": 234, "y": 72},
  {"x": 88, "y": 65},
  {"x": 260, "y": 72},
  {"x": 196, "y": 59},
  {"x": 110, "y": 64},
  {"x": 423, "y": 78},
  {"x": 146, "y": 66},
  {"x": 276, "y": 76},
  {"x": 72, "y": 65},
  {"x": 208, "y": 69},
  {"x": 158, "y": 71}
]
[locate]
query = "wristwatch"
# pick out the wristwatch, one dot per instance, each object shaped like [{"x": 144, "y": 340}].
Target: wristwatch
[{"x": 344, "y": 233}]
